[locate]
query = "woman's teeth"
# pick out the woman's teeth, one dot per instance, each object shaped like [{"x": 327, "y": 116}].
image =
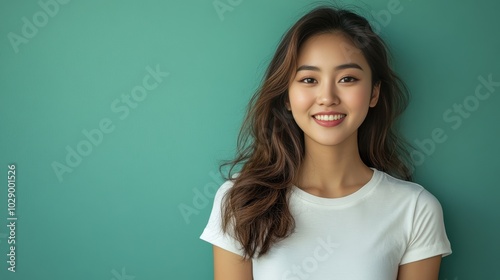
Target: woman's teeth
[{"x": 328, "y": 117}]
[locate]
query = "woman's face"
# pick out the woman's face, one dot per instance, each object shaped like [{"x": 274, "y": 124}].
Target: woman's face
[{"x": 331, "y": 92}]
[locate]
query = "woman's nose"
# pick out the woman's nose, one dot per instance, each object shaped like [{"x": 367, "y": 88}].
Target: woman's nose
[{"x": 327, "y": 95}]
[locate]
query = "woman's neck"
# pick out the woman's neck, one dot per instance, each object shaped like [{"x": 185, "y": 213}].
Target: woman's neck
[{"x": 332, "y": 171}]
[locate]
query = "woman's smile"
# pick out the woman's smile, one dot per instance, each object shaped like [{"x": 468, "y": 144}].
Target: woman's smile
[{"x": 329, "y": 119}]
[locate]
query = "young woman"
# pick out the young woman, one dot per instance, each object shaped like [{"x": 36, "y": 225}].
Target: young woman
[{"x": 321, "y": 190}]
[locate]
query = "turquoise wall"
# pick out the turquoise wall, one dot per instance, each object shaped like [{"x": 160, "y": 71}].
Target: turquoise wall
[{"x": 116, "y": 115}]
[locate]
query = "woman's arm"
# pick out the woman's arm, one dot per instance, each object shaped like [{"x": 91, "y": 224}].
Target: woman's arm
[
  {"x": 230, "y": 266},
  {"x": 426, "y": 269}
]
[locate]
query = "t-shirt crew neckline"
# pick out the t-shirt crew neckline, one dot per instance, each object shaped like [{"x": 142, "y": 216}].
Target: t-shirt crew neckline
[{"x": 341, "y": 201}]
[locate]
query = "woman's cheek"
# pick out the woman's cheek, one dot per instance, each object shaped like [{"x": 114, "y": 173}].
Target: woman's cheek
[
  {"x": 358, "y": 97},
  {"x": 302, "y": 97}
]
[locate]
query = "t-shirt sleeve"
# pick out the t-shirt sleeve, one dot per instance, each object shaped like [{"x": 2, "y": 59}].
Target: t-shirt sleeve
[
  {"x": 428, "y": 236},
  {"x": 213, "y": 231}
]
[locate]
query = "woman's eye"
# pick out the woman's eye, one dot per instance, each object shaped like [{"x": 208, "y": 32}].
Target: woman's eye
[
  {"x": 348, "y": 80},
  {"x": 308, "y": 81}
]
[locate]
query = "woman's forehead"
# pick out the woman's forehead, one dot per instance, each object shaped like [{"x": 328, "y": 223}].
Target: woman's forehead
[{"x": 330, "y": 48}]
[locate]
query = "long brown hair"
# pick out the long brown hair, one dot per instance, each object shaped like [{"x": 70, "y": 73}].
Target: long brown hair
[{"x": 270, "y": 146}]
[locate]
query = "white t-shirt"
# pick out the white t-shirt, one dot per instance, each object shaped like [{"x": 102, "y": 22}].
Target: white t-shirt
[{"x": 365, "y": 235}]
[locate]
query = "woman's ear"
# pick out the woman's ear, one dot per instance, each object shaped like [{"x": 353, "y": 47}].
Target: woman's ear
[
  {"x": 375, "y": 94},
  {"x": 287, "y": 105}
]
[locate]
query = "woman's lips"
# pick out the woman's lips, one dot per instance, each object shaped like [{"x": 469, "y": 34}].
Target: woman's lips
[{"x": 329, "y": 119}]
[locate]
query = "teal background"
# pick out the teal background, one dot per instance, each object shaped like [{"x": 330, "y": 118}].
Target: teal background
[{"x": 117, "y": 214}]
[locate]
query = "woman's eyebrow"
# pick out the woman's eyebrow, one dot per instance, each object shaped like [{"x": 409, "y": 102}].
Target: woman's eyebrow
[
  {"x": 348, "y": 65},
  {"x": 308, "y": 67},
  {"x": 339, "y": 67}
]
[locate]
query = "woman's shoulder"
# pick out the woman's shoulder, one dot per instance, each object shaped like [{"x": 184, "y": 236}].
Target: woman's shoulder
[
  {"x": 401, "y": 192},
  {"x": 404, "y": 188},
  {"x": 390, "y": 180},
  {"x": 226, "y": 186}
]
